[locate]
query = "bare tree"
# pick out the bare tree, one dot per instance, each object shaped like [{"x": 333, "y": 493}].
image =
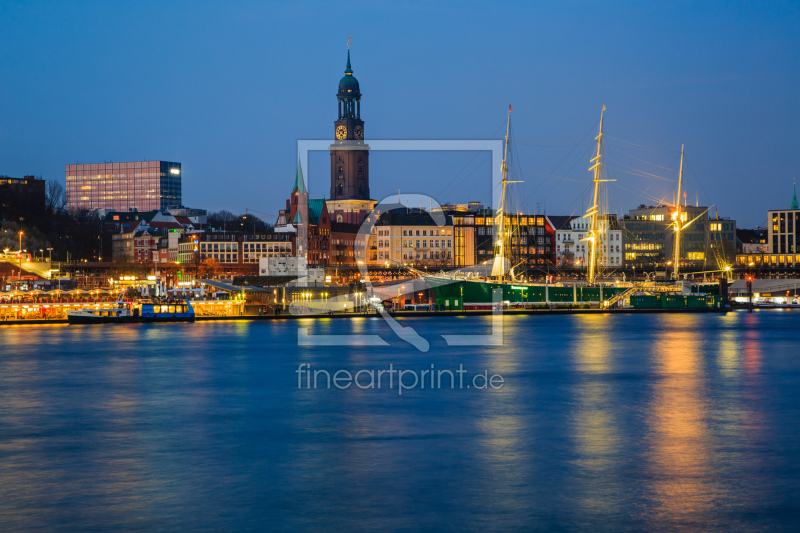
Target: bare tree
[
  {"x": 222, "y": 220},
  {"x": 56, "y": 197}
]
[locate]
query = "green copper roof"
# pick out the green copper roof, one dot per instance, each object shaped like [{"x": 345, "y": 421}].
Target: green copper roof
[
  {"x": 299, "y": 183},
  {"x": 315, "y": 210},
  {"x": 315, "y": 207},
  {"x": 348, "y": 85},
  {"x": 794, "y": 198}
]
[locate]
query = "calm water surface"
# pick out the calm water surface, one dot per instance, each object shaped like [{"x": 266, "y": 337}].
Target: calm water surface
[{"x": 615, "y": 423}]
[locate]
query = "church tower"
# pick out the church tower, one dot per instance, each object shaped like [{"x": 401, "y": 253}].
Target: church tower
[{"x": 349, "y": 200}]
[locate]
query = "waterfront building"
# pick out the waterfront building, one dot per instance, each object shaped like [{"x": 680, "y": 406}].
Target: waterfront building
[
  {"x": 21, "y": 199},
  {"x": 565, "y": 240},
  {"x": 572, "y": 250},
  {"x": 780, "y": 256},
  {"x": 752, "y": 241},
  {"x": 784, "y": 228},
  {"x": 780, "y": 264},
  {"x": 190, "y": 218},
  {"x": 140, "y": 185},
  {"x": 167, "y": 252},
  {"x": 342, "y": 243},
  {"x": 411, "y": 237},
  {"x": 463, "y": 238},
  {"x": 708, "y": 243},
  {"x": 138, "y": 245},
  {"x": 532, "y": 243},
  {"x": 233, "y": 249},
  {"x": 118, "y": 228}
]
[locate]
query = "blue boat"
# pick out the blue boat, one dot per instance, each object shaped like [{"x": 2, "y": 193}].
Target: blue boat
[{"x": 137, "y": 311}]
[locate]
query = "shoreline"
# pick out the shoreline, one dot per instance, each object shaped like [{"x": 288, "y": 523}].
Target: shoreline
[{"x": 406, "y": 314}]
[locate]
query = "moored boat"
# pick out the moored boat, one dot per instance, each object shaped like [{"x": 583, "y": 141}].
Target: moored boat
[{"x": 137, "y": 311}]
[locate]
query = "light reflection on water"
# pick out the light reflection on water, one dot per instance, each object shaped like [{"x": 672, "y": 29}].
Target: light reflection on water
[
  {"x": 597, "y": 442},
  {"x": 678, "y": 439},
  {"x": 639, "y": 422}
]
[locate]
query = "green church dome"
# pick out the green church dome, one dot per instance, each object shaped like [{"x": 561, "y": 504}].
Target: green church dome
[{"x": 348, "y": 84}]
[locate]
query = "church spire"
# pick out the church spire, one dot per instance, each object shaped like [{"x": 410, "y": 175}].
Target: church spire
[
  {"x": 299, "y": 183},
  {"x": 794, "y": 197},
  {"x": 349, "y": 69}
]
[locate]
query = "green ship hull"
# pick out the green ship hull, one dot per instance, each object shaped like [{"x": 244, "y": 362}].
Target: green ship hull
[
  {"x": 457, "y": 293},
  {"x": 469, "y": 294}
]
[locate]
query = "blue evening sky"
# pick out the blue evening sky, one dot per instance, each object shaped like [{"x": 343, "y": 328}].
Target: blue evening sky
[{"x": 228, "y": 88}]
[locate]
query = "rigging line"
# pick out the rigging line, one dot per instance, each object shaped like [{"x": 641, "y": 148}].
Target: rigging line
[
  {"x": 589, "y": 131},
  {"x": 637, "y": 172},
  {"x": 583, "y": 158},
  {"x": 643, "y": 173},
  {"x": 536, "y": 142},
  {"x": 517, "y": 173},
  {"x": 445, "y": 189},
  {"x": 449, "y": 187},
  {"x": 638, "y": 145},
  {"x": 697, "y": 180},
  {"x": 642, "y": 194},
  {"x": 469, "y": 162},
  {"x": 560, "y": 178},
  {"x": 642, "y": 160}
]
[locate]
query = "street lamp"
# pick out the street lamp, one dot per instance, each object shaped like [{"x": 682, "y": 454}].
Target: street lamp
[
  {"x": 49, "y": 255},
  {"x": 20, "y": 255},
  {"x": 196, "y": 254}
]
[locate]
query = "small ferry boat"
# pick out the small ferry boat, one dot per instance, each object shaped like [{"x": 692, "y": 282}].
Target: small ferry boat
[{"x": 138, "y": 311}]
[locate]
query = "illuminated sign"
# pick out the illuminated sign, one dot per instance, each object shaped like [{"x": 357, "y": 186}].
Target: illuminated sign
[{"x": 174, "y": 171}]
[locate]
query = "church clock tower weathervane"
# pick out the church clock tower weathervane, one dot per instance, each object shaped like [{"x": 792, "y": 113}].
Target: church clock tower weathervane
[{"x": 350, "y": 200}]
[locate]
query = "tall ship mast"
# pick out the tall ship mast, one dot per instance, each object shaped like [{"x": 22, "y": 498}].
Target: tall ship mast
[
  {"x": 501, "y": 243},
  {"x": 676, "y": 217},
  {"x": 593, "y": 213}
]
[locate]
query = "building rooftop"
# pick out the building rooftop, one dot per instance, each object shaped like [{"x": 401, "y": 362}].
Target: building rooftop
[{"x": 561, "y": 221}]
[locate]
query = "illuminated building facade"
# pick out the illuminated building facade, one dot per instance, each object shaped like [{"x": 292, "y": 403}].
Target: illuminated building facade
[
  {"x": 140, "y": 185},
  {"x": 784, "y": 229},
  {"x": 572, "y": 250},
  {"x": 707, "y": 243},
  {"x": 411, "y": 237}
]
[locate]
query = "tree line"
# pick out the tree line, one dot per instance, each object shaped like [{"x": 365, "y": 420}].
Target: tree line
[{"x": 74, "y": 235}]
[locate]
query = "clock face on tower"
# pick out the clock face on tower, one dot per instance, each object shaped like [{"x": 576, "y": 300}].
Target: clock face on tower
[
  {"x": 359, "y": 132},
  {"x": 341, "y": 132}
]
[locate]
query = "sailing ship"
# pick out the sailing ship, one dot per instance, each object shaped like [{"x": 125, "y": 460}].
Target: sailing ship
[{"x": 501, "y": 288}]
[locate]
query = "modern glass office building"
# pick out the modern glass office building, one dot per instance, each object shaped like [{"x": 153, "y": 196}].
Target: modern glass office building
[{"x": 141, "y": 185}]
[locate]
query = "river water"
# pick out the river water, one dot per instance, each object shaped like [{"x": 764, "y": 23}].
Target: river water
[{"x": 660, "y": 422}]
